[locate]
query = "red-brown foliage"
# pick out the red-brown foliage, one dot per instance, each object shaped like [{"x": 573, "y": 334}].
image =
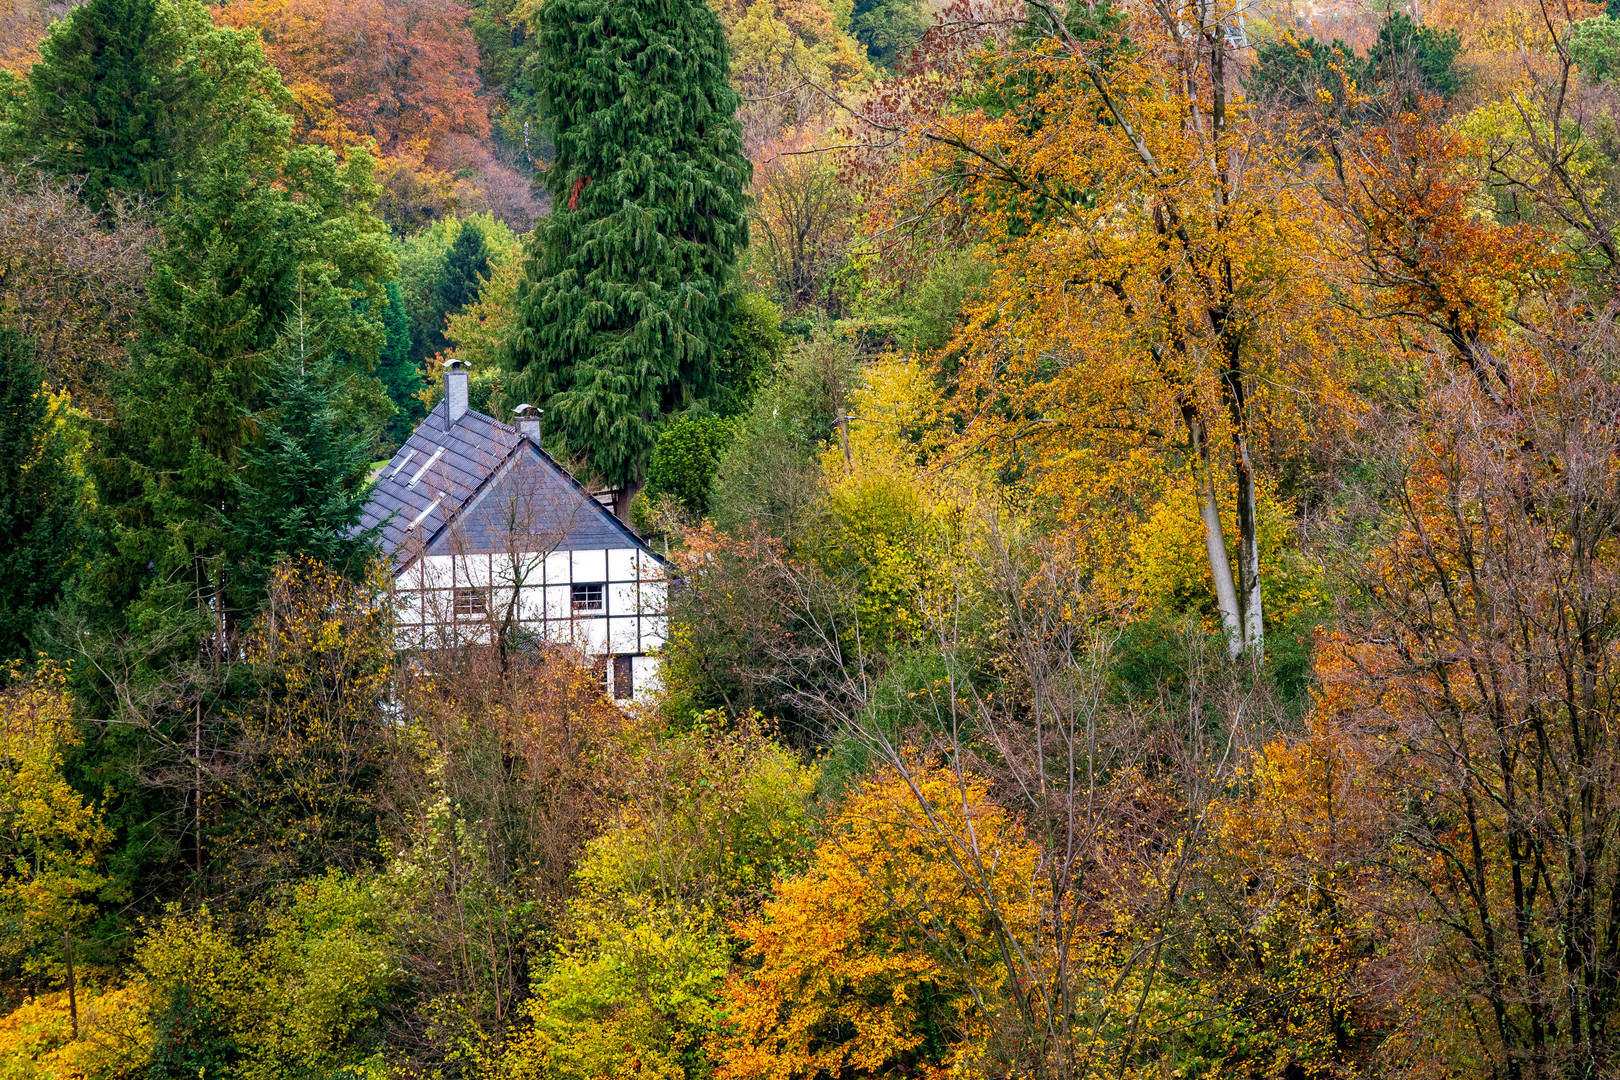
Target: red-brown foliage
[{"x": 402, "y": 72}]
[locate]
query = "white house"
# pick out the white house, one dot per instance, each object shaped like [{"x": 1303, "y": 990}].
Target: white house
[{"x": 488, "y": 535}]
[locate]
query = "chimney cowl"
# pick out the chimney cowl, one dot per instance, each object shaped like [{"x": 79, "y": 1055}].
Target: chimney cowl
[
  {"x": 455, "y": 390},
  {"x": 527, "y": 421}
]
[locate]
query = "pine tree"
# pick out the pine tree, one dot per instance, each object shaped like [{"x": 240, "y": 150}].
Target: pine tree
[
  {"x": 623, "y": 308},
  {"x": 303, "y": 486},
  {"x": 42, "y": 526}
]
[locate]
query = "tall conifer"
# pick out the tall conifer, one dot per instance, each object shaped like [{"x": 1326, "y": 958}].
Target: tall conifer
[
  {"x": 623, "y": 308},
  {"x": 396, "y": 370},
  {"x": 303, "y": 488}
]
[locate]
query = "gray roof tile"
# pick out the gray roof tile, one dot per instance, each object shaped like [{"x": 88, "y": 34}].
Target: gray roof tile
[{"x": 500, "y": 492}]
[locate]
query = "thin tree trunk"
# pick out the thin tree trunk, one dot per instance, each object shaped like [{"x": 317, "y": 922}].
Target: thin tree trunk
[
  {"x": 1220, "y": 566},
  {"x": 1249, "y": 600}
]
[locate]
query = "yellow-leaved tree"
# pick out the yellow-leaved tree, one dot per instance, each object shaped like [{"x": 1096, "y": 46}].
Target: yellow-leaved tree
[
  {"x": 883, "y": 958},
  {"x": 52, "y": 841},
  {"x": 1157, "y": 304}
]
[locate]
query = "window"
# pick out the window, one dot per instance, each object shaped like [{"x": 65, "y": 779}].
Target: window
[
  {"x": 470, "y": 603},
  {"x": 587, "y": 599},
  {"x": 624, "y": 678}
]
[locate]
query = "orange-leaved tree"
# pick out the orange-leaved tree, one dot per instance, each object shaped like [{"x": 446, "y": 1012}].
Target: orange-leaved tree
[
  {"x": 1156, "y": 292},
  {"x": 1424, "y": 252},
  {"x": 1481, "y": 675},
  {"x": 884, "y": 958},
  {"x": 402, "y": 72}
]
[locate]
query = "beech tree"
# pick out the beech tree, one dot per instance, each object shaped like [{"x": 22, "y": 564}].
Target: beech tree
[
  {"x": 401, "y": 73},
  {"x": 623, "y": 306},
  {"x": 1146, "y": 286}
]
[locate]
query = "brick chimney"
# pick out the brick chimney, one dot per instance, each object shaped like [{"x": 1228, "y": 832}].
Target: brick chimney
[
  {"x": 455, "y": 390},
  {"x": 526, "y": 418}
]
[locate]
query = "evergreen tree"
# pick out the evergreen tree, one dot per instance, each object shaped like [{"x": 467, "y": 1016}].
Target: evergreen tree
[
  {"x": 1409, "y": 58},
  {"x": 465, "y": 271},
  {"x": 623, "y": 308},
  {"x": 304, "y": 485},
  {"x": 396, "y": 369},
  {"x": 265, "y": 231},
  {"x": 42, "y": 526},
  {"x": 129, "y": 93}
]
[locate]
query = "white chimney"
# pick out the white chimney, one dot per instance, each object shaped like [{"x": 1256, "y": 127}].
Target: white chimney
[
  {"x": 528, "y": 421},
  {"x": 455, "y": 390}
]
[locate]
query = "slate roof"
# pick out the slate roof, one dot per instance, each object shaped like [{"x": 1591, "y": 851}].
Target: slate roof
[{"x": 478, "y": 485}]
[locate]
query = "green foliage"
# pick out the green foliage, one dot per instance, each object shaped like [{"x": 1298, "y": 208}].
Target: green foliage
[
  {"x": 1594, "y": 45},
  {"x": 43, "y": 528},
  {"x": 888, "y": 28},
  {"x": 268, "y": 236},
  {"x": 1295, "y": 71},
  {"x": 623, "y": 307},
  {"x": 686, "y": 458},
  {"x": 466, "y": 269},
  {"x": 508, "y": 61},
  {"x": 753, "y": 349},
  {"x": 303, "y": 487},
  {"x": 297, "y": 995},
  {"x": 924, "y": 313},
  {"x": 425, "y": 274},
  {"x": 120, "y": 96},
  {"x": 1407, "y": 60},
  {"x": 771, "y": 473},
  {"x": 313, "y": 743},
  {"x": 715, "y": 816},
  {"x": 187, "y": 1042},
  {"x": 400, "y": 376},
  {"x": 1415, "y": 58}
]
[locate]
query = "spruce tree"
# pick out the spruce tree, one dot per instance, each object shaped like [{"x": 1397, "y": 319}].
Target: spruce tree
[
  {"x": 303, "y": 486},
  {"x": 465, "y": 270},
  {"x": 623, "y": 306},
  {"x": 395, "y": 369},
  {"x": 41, "y": 498}
]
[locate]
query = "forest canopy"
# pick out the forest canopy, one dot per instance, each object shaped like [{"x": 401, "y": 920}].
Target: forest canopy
[{"x": 1125, "y": 499}]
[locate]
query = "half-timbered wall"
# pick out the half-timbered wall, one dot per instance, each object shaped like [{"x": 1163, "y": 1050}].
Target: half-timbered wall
[{"x": 604, "y": 602}]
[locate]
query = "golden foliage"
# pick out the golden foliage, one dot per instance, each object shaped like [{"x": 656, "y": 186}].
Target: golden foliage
[
  {"x": 52, "y": 841},
  {"x": 876, "y": 960},
  {"x": 37, "y": 1043}
]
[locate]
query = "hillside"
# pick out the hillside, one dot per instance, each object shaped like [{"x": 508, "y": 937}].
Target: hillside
[{"x": 809, "y": 540}]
